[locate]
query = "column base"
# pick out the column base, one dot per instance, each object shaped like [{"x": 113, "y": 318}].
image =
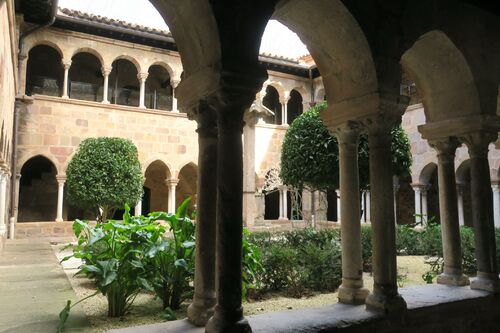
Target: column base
[
  {"x": 354, "y": 296},
  {"x": 59, "y": 220},
  {"x": 200, "y": 311},
  {"x": 384, "y": 303},
  {"x": 453, "y": 279},
  {"x": 105, "y": 102},
  {"x": 225, "y": 322},
  {"x": 490, "y": 283}
]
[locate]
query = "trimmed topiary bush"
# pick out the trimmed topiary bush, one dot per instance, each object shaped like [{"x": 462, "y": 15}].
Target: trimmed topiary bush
[{"x": 104, "y": 175}]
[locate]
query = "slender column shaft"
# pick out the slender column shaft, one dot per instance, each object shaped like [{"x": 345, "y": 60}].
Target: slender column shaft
[
  {"x": 60, "y": 197},
  {"x": 368, "y": 205},
  {"x": 448, "y": 214},
  {"x": 395, "y": 189},
  {"x": 351, "y": 291},
  {"x": 3, "y": 202},
  {"x": 13, "y": 219},
  {"x": 460, "y": 202},
  {"x": 172, "y": 184},
  {"x": 66, "y": 65},
  {"x": 385, "y": 295},
  {"x": 339, "y": 206},
  {"x": 285, "y": 203},
  {"x": 363, "y": 209},
  {"x": 482, "y": 211},
  {"x": 142, "y": 91},
  {"x": 105, "y": 73},
  {"x": 174, "y": 84},
  {"x": 138, "y": 208},
  {"x": 249, "y": 204},
  {"x": 496, "y": 204},
  {"x": 423, "y": 194},
  {"x": 228, "y": 315},
  {"x": 204, "y": 300},
  {"x": 418, "y": 206}
]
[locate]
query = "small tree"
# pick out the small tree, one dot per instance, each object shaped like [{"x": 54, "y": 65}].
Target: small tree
[
  {"x": 104, "y": 175},
  {"x": 309, "y": 157}
]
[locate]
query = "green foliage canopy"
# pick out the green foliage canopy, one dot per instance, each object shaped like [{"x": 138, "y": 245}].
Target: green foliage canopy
[
  {"x": 105, "y": 174},
  {"x": 309, "y": 157}
]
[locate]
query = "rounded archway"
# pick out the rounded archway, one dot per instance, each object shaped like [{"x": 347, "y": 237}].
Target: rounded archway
[
  {"x": 294, "y": 106},
  {"x": 155, "y": 196},
  {"x": 429, "y": 192},
  {"x": 44, "y": 73},
  {"x": 38, "y": 190},
  {"x": 85, "y": 77},
  {"x": 188, "y": 182},
  {"x": 272, "y": 101},
  {"x": 158, "y": 93},
  {"x": 123, "y": 83}
]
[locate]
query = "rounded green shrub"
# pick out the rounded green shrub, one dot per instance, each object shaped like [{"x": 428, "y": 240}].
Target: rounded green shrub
[{"x": 104, "y": 175}]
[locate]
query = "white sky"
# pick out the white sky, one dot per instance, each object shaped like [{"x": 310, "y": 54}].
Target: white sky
[{"x": 277, "y": 39}]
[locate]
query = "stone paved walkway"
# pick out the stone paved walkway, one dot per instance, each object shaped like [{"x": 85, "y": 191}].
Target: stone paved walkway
[{"x": 34, "y": 289}]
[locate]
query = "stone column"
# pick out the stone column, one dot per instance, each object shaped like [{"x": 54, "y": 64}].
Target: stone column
[
  {"x": 385, "y": 295},
  {"x": 3, "y": 201},
  {"x": 228, "y": 315},
  {"x": 202, "y": 307},
  {"x": 482, "y": 211},
  {"x": 284, "y": 113},
  {"x": 66, "y": 65},
  {"x": 13, "y": 219},
  {"x": 249, "y": 206},
  {"x": 368, "y": 206},
  {"x": 496, "y": 204},
  {"x": 423, "y": 195},
  {"x": 448, "y": 213},
  {"x": 285, "y": 202},
  {"x": 339, "y": 209},
  {"x": 105, "y": 73},
  {"x": 174, "y": 84},
  {"x": 363, "y": 209},
  {"x": 142, "y": 77},
  {"x": 171, "y": 184},
  {"x": 395, "y": 189},
  {"x": 460, "y": 202},
  {"x": 418, "y": 202},
  {"x": 23, "y": 66},
  {"x": 138, "y": 208},
  {"x": 351, "y": 290},
  {"x": 61, "y": 180}
]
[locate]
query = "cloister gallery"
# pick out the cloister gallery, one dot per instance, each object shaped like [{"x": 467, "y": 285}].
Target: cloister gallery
[{"x": 200, "y": 101}]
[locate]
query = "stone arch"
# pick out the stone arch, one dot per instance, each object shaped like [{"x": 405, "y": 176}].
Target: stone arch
[
  {"x": 427, "y": 172},
  {"x": 49, "y": 43},
  {"x": 90, "y": 50},
  {"x": 130, "y": 58},
  {"x": 167, "y": 67},
  {"x": 158, "y": 88},
  {"x": 124, "y": 83},
  {"x": 272, "y": 101},
  {"x": 443, "y": 77},
  {"x": 295, "y": 105},
  {"x": 155, "y": 198},
  {"x": 44, "y": 71},
  {"x": 85, "y": 80},
  {"x": 145, "y": 165},
  {"x": 38, "y": 190},
  {"x": 187, "y": 187},
  {"x": 22, "y": 161},
  {"x": 276, "y": 85},
  {"x": 337, "y": 45}
]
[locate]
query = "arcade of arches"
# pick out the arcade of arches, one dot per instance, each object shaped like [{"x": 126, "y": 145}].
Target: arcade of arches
[{"x": 131, "y": 85}]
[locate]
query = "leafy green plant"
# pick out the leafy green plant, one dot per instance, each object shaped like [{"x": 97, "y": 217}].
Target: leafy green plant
[
  {"x": 428, "y": 277},
  {"x": 252, "y": 265},
  {"x": 115, "y": 256},
  {"x": 103, "y": 175},
  {"x": 173, "y": 266}
]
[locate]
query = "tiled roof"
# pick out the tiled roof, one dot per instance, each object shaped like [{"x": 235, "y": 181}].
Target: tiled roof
[
  {"x": 110, "y": 21},
  {"x": 79, "y": 15}
]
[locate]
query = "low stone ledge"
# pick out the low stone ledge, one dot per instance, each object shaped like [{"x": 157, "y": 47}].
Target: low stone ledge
[{"x": 431, "y": 308}]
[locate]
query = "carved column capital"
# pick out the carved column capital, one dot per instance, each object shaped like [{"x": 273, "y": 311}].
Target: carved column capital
[
  {"x": 445, "y": 147},
  {"x": 206, "y": 117},
  {"x": 142, "y": 76},
  {"x": 478, "y": 142},
  {"x": 174, "y": 83},
  {"x": 171, "y": 182},
  {"x": 347, "y": 133},
  {"x": 66, "y": 64},
  {"x": 251, "y": 117},
  {"x": 61, "y": 179},
  {"x": 105, "y": 71}
]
